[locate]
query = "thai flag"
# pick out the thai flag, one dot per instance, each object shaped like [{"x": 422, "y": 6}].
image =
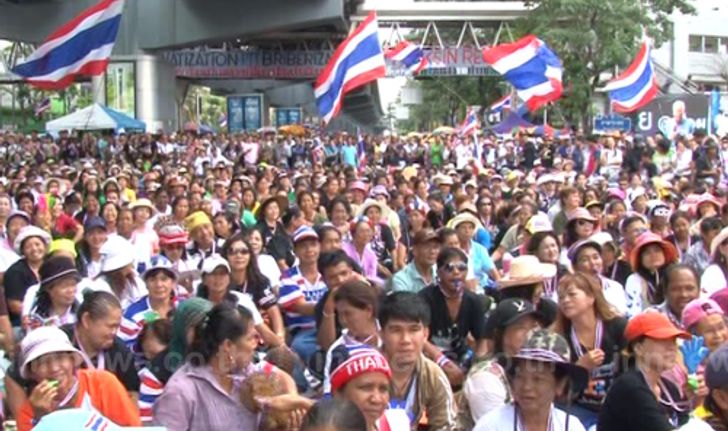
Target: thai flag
[
  {"x": 357, "y": 61},
  {"x": 470, "y": 124},
  {"x": 410, "y": 55},
  {"x": 531, "y": 67},
  {"x": 222, "y": 121},
  {"x": 636, "y": 86},
  {"x": 43, "y": 106},
  {"x": 361, "y": 151},
  {"x": 501, "y": 104},
  {"x": 80, "y": 47},
  {"x": 317, "y": 151}
]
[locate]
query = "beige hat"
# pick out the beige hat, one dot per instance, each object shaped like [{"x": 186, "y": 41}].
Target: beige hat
[
  {"x": 464, "y": 217},
  {"x": 525, "y": 270},
  {"x": 383, "y": 209}
]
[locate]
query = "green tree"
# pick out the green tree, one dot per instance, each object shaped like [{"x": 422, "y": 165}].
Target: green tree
[{"x": 593, "y": 37}]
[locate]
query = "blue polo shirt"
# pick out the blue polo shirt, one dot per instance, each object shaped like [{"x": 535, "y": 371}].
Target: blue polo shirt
[
  {"x": 408, "y": 279},
  {"x": 481, "y": 262}
]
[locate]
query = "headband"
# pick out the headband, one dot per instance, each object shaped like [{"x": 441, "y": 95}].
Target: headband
[{"x": 360, "y": 362}]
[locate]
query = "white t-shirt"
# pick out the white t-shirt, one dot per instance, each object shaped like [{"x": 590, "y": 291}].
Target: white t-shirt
[
  {"x": 269, "y": 267},
  {"x": 485, "y": 392},
  {"x": 502, "y": 420},
  {"x": 132, "y": 293},
  {"x": 614, "y": 294},
  {"x": 712, "y": 280}
]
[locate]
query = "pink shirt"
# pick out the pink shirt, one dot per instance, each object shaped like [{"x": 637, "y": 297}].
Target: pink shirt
[{"x": 367, "y": 261}]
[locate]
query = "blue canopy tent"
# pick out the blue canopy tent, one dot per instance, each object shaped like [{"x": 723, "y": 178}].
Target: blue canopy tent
[{"x": 95, "y": 117}]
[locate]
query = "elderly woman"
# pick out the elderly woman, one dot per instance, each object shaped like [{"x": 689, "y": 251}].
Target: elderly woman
[
  {"x": 641, "y": 399},
  {"x": 363, "y": 376},
  {"x": 383, "y": 241},
  {"x": 466, "y": 224},
  {"x": 32, "y": 243},
  {"x": 172, "y": 243},
  {"x": 204, "y": 392},
  {"x": 538, "y": 373},
  {"x": 52, "y": 363},
  {"x": 359, "y": 248}
]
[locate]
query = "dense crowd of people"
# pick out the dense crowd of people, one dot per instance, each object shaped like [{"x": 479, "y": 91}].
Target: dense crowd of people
[{"x": 361, "y": 283}]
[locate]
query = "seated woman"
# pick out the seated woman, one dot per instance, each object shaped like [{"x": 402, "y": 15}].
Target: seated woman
[
  {"x": 539, "y": 373},
  {"x": 362, "y": 376},
  {"x": 486, "y": 387},
  {"x": 118, "y": 275},
  {"x": 641, "y": 399},
  {"x": 56, "y": 302},
  {"x": 586, "y": 258},
  {"x": 359, "y": 247},
  {"x": 161, "y": 279},
  {"x": 356, "y": 308},
  {"x": 53, "y": 365},
  {"x": 649, "y": 258},
  {"x": 204, "y": 393},
  {"x": 215, "y": 287},
  {"x": 246, "y": 278},
  {"x": 595, "y": 334},
  {"x": 94, "y": 334}
]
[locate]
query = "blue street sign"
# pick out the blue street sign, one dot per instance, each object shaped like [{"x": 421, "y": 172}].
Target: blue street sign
[{"x": 612, "y": 122}]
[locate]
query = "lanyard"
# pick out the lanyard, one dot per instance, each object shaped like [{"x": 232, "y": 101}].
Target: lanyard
[
  {"x": 518, "y": 420},
  {"x": 69, "y": 396},
  {"x": 550, "y": 285},
  {"x": 679, "y": 250},
  {"x": 100, "y": 361},
  {"x": 598, "y": 336}
]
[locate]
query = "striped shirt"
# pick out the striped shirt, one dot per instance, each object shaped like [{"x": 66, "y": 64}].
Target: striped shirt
[
  {"x": 293, "y": 287},
  {"x": 133, "y": 321},
  {"x": 149, "y": 390}
]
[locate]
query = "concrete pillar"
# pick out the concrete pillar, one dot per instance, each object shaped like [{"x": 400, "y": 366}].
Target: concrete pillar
[{"x": 156, "y": 93}]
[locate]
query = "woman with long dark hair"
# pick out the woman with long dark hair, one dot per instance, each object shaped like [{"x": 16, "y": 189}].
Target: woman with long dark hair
[
  {"x": 204, "y": 392},
  {"x": 546, "y": 247},
  {"x": 246, "y": 278},
  {"x": 595, "y": 336}
]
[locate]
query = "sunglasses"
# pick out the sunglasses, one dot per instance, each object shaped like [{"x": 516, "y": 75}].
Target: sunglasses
[
  {"x": 459, "y": 266},
  {"x": 242, "y": 251}
]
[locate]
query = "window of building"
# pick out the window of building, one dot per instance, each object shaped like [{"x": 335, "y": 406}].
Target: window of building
[
  {"x": 710, "y": 44},
  {"x": 723, "y": 48},
  {"x": 696, "y": 43}
]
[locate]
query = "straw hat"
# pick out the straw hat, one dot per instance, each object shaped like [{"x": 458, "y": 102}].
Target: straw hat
[
  {"x": 464, "y": 217},
  {"x": 526, "y": 270},
  {"x": 383, "y": 209}
]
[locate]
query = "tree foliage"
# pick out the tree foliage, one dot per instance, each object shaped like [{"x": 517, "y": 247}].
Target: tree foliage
[{"x": 593, "y": 37}]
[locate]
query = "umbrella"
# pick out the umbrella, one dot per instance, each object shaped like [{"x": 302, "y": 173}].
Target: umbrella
[
  {"x": 444, "y": 130},
  {"x": 293, "y": 129}
]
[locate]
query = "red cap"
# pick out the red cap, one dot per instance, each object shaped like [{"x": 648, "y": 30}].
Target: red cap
[{"x": 652, "y": 324}]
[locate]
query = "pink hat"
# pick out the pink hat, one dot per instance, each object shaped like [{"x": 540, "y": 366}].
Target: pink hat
[
  {"x": 697, "y": 309},
  {"x": 359, "y": 185}
]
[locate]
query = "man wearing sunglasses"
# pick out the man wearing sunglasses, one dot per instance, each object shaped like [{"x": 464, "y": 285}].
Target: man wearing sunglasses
[{"x": 456, "y": 314}]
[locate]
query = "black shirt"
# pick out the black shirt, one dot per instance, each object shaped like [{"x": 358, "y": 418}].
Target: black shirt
[
  {"x": 601, "y": 378},
  {"x": 118, "y": 360},
  {"x": 449, "y": 336},
  {"x": 620, "y": 273},
  {"x": 631, "y": 406},
  {"x": 18, "y": 278}
]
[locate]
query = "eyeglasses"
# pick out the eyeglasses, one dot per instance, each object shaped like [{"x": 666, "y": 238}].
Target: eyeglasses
[
  {"x": 459, "y": 266},
  {"x": 242, "y": 251}
]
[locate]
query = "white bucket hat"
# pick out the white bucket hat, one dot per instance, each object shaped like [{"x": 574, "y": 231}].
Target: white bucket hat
[
  {"x": 30, "y": 232},
  {"x": 116, "y": 253},
  {"x": 42, "y": 341}
]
